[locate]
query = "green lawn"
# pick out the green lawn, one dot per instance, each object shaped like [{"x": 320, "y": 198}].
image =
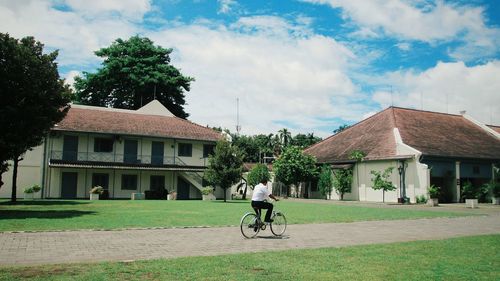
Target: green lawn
[
  {"x": 469, "y": 258},
  {"x": 112, "y": 214}
]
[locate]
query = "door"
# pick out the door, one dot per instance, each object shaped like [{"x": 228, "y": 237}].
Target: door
[
  {"x": 157, "y": 183},
  {"x": 157, "y": 153},
  {"x": 101, "y": 180},
  {"x": 130, "y": 151},
  {"x": 69, "y": 185},
  {"x": 182, "y": 189},
  {"x": 70, "y": 148}
]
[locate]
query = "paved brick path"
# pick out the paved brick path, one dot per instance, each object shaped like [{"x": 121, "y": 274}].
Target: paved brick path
[{"x": 92, "y": 246}]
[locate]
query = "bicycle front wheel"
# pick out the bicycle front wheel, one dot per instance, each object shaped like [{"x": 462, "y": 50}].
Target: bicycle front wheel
[
  {"x": 249, "y": 225},
  {"x": 278, "y": 226}
]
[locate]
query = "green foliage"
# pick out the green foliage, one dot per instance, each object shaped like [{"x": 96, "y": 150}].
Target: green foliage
[
  {"x": 293, "y": 166},
  {"x": 381, "y": 181},
  {"x": 96, "y": 190},
  {"x": 207, "y": 190},
  {"x": 32, "y": 189},
  {"x": 33, "y": 98},
  {"x": 325, "y": 181},
  {"x": 494, "y": 188},
  {"x": 134, "y": 72},
  {"x": 225, "y": 166},
  {"x": 434, "y": 191},
  {"x": 342, "y": 181},
  {"x": 341, "y": 128},
  {"x": 257, "y": 174},
  {"x": 357, "y": 155},
  {"x": 421, "y": 199},
  {"x": 470, "y": 191}
]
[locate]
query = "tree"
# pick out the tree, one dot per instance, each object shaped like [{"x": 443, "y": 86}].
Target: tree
[
  {"x": 381, "y": 181},
  {"x": 32, "y": 98},
  {"x": 303, "y": 141},
  {"x": 293, "y": 167},
  {"x": 225, "y": 166},
  {"x": 134, "y": 73},
  {"x": 341, "y": 128},
  {"x": 342, "y": 181},
  {"x": 285, "y": 137},
  {"x": 257, "y": 174},
  {"x": 325, "y": 181}
]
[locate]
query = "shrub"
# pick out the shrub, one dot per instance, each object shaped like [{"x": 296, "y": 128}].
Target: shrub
[
  {"x": 207, "y": 190},
  {"x": 494, "y": 187},
  {"x": 469, "y": 191},
  {"x": 32, "y": 189},
  {"x": 434, "y": 191},
  {"x": 258, "y": 173},
  {"x": 421, "y": 199},
  {"x": 97, "y": 190}
]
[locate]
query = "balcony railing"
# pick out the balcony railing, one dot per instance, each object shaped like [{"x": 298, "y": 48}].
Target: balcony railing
[{"x": 115, "y": 158}]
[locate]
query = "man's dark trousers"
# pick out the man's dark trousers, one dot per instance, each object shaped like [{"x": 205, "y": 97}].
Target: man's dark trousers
[{"x": 264, "y": 205}]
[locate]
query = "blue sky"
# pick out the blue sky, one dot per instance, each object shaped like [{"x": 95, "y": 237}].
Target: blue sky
[{"x": 308, "y": 65}]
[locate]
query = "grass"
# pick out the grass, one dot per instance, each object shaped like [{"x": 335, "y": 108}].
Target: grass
[
  {"x": 469, "y": 258},
  {"x": 113, "y": 214}
]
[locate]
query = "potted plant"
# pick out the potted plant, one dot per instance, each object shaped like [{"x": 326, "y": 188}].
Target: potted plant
[
  {"x": 29, "y": 192},
  {"x": 95, "y": 192},
  {"x": 470, "y": 194},
  {"x": 494, "y": 187},
  {"x": 433, "y": 195},
  {"x": 207, "y": 193},
  {"x": 172, "y": 195}
]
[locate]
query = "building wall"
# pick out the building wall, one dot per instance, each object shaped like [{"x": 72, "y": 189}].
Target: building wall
[
  {"x": 29, "y": 172},
  {"x": 31, "y": 169}
]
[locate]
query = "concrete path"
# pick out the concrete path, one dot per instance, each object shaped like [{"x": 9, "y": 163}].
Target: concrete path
[{"x": 140, "y": 244}]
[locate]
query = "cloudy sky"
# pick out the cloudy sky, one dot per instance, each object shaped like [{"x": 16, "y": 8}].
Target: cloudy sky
[{"x": 307, "y": 65}]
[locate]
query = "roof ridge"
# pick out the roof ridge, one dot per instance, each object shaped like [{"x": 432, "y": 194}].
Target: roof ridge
[{"x": 427, "y": 111}]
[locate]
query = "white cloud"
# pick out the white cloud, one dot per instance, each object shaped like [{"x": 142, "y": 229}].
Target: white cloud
[
  {"x": 280, "y": 71},
  {"x": 130, "y": 9},
  {"x": 225, "y": 6},
  {"x": 449, "y": 88},
  {"x": 404, "y": 46},
  {"x": 69, "y": 78},
  {"x": 72, "y": 32},
  {"x": 423, "y": 21}
]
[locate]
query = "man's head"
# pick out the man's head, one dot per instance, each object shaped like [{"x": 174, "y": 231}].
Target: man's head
[{"x": 263, "y": 181}]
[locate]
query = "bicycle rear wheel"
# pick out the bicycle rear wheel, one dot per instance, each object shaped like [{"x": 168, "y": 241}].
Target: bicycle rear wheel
[
  {"x": 249, "y": 225},
  {"x": 278, "y": 226}
]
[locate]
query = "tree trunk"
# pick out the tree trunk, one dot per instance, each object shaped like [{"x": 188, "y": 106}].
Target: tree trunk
[
  {"x": 383, "y": 196},
  {"x": 341, "y": 196},
  {"x": 225, "y": 192},
  {"x": 14, "y": 180}
]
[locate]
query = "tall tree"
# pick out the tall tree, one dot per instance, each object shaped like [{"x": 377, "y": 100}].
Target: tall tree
[
  {"x": 285, "y": 137},
  {"x": 341, "y": 128},
  {"x": 293, "y": 167},
  {"x": 342, "y": 181},
  {"x": 257, "y": 174},
  {"x": 225, "y": 166},
  {"x": 32, "y": 98},
  {"x": 325, "y": 181},
  {"x": 134, "y": 72},
  {"x": 303, "y": 141}
]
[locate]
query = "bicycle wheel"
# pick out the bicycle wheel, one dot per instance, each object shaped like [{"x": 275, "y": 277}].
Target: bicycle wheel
[
  {"x": 278, "y": 226},
  {"x": 249, "y": 225}
]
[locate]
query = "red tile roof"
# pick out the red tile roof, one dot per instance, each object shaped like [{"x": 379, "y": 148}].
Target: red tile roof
[
  {"x": 129, "y": 122},
  {"x": 432, "y": 133}
]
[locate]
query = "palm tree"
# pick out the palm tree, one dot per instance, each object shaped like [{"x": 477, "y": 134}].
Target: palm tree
[{"x": 285, "y": 137}]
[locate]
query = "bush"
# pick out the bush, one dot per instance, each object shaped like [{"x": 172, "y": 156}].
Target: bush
[
  {"x": 469, "y": 191},
  {"x": 32, "y": 189},
  {"x": 421, "y": 199},
  {"x": 434, "y": 191},
  {"x": 258, "y": 173},
  {"x": 97, "y": 190},
  {"x": 494, "y": 187},
  {"x": 207, "y": 190}
]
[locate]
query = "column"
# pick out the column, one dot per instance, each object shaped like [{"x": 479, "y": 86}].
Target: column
[{"x": 457, "y": 179}]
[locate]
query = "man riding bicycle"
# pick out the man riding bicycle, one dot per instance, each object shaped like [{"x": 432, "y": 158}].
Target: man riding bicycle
[{"x": 260, "y": 194}]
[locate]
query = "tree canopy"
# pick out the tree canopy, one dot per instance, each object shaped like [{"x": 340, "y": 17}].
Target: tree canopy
[
  {"x": 257, "y": 174},
  {"x": 225, "y": 166},
  {"x": 134, "y": 72},
  {"x": 32, "y": 98},
  {"x": 293, "y": 167}
]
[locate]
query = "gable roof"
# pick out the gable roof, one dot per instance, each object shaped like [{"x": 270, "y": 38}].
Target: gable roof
[
  {"x": 431, "y": 133},
  {"x": 93, "y": 119}
]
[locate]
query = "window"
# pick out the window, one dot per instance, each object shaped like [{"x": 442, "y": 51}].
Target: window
[
  {"x": 103, "y": 145},
  {"x": 208, "y": 149},
  {"x": 185, "y": 149},
  {"x": 129, "y": 182},
  {"x": 476, "y": 170}
]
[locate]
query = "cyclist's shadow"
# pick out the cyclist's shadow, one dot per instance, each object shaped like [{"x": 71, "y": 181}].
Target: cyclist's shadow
[{"x": 283, "y": 237}]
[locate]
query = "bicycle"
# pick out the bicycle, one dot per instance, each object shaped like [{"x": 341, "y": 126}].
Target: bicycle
[{"x": 251, "y": 223}]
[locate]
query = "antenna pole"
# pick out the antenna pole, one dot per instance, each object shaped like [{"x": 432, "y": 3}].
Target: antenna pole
[{"x": 238, "y": 127}]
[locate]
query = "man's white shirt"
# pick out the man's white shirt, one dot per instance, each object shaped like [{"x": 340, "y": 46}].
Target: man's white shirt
[{"x": 260, "y": 192}]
